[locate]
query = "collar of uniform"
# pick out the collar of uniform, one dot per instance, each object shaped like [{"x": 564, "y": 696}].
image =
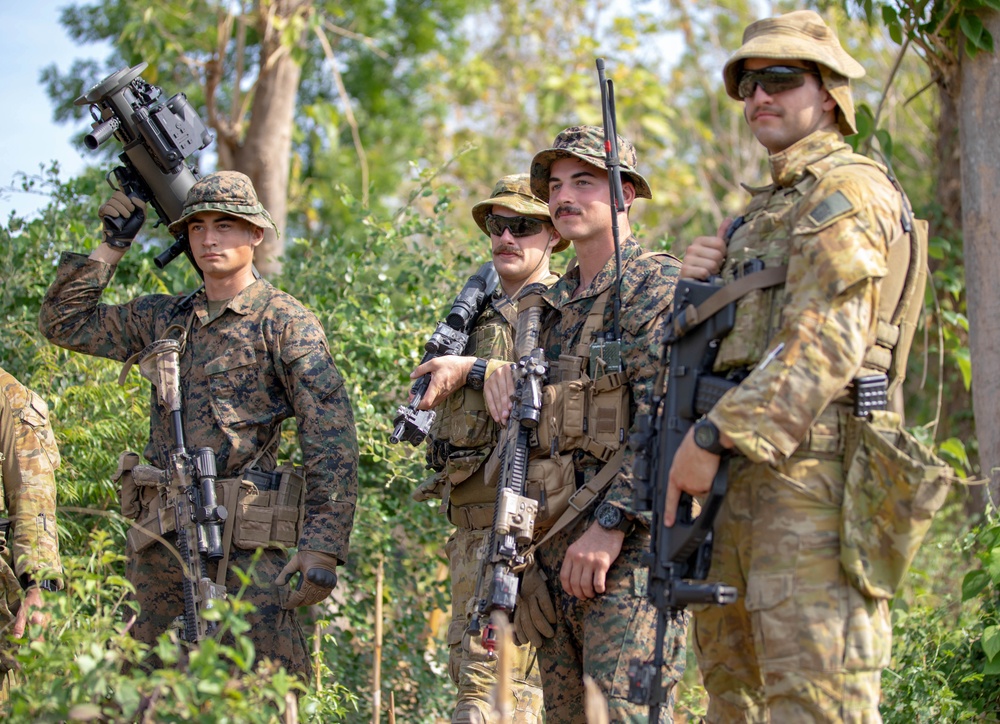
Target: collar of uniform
[
  {"x": 562, "y": 291},
  {"x": 788, "y": 166},
  {"x": 243, "y": 303}
]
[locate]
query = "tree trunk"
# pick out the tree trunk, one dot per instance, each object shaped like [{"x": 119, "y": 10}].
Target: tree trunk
[{"x": 979, "y": 127}]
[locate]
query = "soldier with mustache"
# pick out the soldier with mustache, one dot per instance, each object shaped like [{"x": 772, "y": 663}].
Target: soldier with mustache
[
  {"x": 463, "y": 436},
  {"x": 593, "y": 566}
]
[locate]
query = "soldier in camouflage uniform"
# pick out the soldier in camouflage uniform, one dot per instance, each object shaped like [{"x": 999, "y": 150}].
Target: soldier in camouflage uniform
[
  {"x": 463, "y": 436},
  {"x": 801, "y": 643},
  {"x": 594, "y": 565},
  {"x": 253, "y": 357},
  {"x": 30, "y": 550}
]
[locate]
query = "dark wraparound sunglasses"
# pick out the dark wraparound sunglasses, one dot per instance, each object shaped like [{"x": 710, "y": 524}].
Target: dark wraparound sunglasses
[
  {"x": 518, "y": 225},
  {"x": 773, "y": 79}
]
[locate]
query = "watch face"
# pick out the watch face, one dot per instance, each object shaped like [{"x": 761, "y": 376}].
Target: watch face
[
  {"x": 608, "y": 516},
  {"x": 705, "y": 436}
]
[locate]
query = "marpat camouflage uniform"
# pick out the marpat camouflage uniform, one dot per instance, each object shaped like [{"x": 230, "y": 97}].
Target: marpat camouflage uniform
[
  {"x": 29, "y": 457},
  {"x": 602, "y": 635},
  {"x": 460, "y": 441},
  {"x": 264, "y": 359},
  {"x": 801, "y": 643}
]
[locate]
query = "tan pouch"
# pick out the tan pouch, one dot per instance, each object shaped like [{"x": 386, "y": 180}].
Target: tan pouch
[
  {"x": 552, "y": 482},
  {"x": 563, "y": 416},
  {"x": 289, "y": 507},
  {"x": 128, "y": 491},
  {"x": 607, "y": 416},
  {"x": 270, "y": 518},
  {"x": 894, "y": 486},
  {"x": 155, "y": 520}
]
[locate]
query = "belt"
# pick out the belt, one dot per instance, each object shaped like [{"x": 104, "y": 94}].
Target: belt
[{"x": 473, "y": 517}]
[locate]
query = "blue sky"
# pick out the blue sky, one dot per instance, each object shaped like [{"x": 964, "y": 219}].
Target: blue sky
[{"x": 31, "y": 38}]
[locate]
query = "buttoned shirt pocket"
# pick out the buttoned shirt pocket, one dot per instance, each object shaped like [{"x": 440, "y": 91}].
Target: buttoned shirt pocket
[{"x": 234, "y": 381}]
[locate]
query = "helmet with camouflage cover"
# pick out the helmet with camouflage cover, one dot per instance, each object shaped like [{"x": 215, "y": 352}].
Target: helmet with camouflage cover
[
  {"x": 514, "y": 192},
  {"x": 226, "y": 192},
  {"x": 800, "y": 35},
  {"x": 587, "y": 144}
]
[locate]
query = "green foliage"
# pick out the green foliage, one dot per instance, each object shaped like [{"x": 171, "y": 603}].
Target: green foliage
[{"x": 946, "y": 638}]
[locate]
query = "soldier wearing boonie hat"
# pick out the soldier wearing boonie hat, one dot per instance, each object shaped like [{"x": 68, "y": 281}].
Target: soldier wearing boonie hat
[
  {"x": 252, "y": 356},
  {"x": 591, "y": 563},
  {"x": 227, "y": 192},
  {"x": 806, "y": 640},
  {"x": 463, "y": 436}
]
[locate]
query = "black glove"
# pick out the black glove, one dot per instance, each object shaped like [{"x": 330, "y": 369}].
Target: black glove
[{"x": 123, "y": 216}]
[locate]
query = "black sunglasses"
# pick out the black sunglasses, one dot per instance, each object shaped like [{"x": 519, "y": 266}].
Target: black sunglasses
[
  {"x": 773, "y": 79},
  {"x": 518, "y": 225}
]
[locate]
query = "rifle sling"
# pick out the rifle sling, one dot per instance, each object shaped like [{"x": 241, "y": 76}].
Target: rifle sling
[
  {"x": 583, "y": 497},
  {"x": 693, "y": 316}
]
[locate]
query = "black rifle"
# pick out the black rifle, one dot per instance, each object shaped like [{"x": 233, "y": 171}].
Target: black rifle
[
  {"x": 450, "y": 337},
  {"x": 682, "y": 553},
  {"x": 191, "y": 492},
  {"x": 513, "y": 513},
  {"x": 156, "y": 136}
]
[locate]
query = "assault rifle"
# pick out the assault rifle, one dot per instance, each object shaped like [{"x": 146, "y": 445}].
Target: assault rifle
[
  {"x": 156, "y": 136},
  {"x": 513, "y": 513},
  {"x": 191, "y": 493},
  {"x": 681, "y": 555},
  {"x": 450, "y": 337}
]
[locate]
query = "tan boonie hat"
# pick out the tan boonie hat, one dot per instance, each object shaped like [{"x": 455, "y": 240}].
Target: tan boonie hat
[
  {"x": 228, "y": 192},
  {"x": 514, "y": 192},
  {"x": 800, "y": 35},
  {"x": 587, "y": 144}
]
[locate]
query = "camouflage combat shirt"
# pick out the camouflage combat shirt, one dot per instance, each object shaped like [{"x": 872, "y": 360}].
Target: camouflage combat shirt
[
  {"x": 265, "y": 358},
  {"x": 29, "y": 460},
  {"x": 805, "y": 341},
  {"x": 647, "y": 290}
]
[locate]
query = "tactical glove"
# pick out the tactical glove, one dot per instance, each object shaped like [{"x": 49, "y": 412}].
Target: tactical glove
[
  {"x": 123, "y": 216},
  {"x": 535, "y": 614},
  {"x": 317, "y": 580}
]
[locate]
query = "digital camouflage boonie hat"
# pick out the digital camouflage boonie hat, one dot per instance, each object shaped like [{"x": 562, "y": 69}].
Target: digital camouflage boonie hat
[
  {"x": 514, "y": 192},
  {"x": 587, "y": 144},
  {"x": 800, "y": 35},
  {"x": 228, "y": 192}
]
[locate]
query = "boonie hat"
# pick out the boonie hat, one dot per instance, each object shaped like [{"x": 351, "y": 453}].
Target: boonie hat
[
  {"x": 228, "y": 192},
  {"x": 587, "y": 144},
  {"x": 514, "y": 192},
  {"x": 800, "y": 35}
]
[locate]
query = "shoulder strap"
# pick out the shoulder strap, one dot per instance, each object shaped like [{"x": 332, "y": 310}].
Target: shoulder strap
[{"x": 692, "y": 315}]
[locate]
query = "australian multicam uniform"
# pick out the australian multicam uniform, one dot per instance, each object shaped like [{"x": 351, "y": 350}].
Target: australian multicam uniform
[
  {"x": 264, "y": 359},
  {"x": 460, "y": 441},
  {"x": 602, "y": 635},
  {"x": 801, "y": 643},
  {"x": 28, "y": 460}
]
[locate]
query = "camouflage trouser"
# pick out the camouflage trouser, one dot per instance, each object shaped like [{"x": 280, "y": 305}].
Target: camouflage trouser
[
  {"x": 800, "y": 644},
  {"x": 601, "y": 636},
  {"x": 10, "y": 602},
  {"x": 468, "y": 663},
  {"x": 275, "y": 632}
]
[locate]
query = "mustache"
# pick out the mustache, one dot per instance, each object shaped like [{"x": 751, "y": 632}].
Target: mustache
[
  {"x": 562, "y": 210},
  {"x": 774, "y": 110},
  {"x": 508, "y": 249}
]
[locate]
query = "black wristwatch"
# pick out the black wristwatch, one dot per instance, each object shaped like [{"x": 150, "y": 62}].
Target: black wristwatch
[
  {"x": 611, "y": 517},
  {"x": 477, "y": 375},
  {"x": 706, "y": 436}
]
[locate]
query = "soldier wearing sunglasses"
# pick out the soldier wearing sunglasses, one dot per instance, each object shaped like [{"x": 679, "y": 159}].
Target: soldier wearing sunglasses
[
  {"x": 462, "y": 437},
  {"x": 803, "y": 642}
]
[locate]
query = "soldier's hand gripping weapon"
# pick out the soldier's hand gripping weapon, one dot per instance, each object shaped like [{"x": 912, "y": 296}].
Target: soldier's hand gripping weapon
[
  {"x": 190, "y": 493},
  {"x": 157, "y": 136},
  {"x": 450, "y": 337},
  {"x": 514, "y": 513}
]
